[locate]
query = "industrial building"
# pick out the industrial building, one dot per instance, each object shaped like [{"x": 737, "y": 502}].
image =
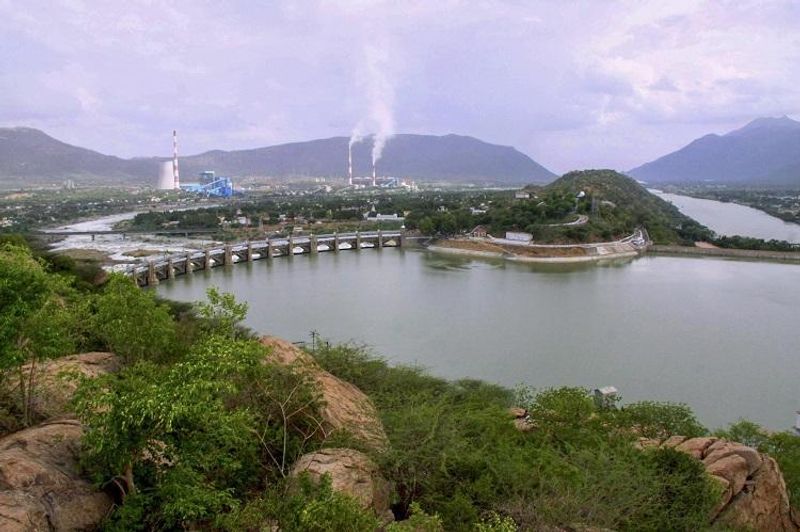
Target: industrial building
[{"x": 211, "y": 185}]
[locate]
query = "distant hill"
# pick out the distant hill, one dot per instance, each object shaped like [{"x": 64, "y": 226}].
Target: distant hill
[
  {"x": 445, "y": 158},
  {"x": 632, "y": 206},
  {"x": 31, "y": 156},
  {"x": 766, "y": 151}
]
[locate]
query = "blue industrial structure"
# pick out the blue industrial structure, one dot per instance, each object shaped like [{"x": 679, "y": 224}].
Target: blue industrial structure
[{"x": 211, "y": 185}]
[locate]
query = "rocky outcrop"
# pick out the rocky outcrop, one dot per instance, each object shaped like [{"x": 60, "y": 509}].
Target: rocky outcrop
[
  {"x": 522, "y": 419},
  {"x": 754, "y": 495},
  {"x": 40, "y": 484},
  {"x": 55, "y": 382},
  {"x": 345, "y": 408},
  {"x": 351, "y": 472}
]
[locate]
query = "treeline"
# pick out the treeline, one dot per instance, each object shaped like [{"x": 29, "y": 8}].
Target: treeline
[{"x": 746, "y": 242}]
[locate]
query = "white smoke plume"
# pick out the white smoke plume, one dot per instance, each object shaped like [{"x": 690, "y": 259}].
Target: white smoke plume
[{"x": 379, "y": 95}]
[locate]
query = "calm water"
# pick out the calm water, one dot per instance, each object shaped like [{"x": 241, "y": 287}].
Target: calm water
[
  {"x": 720, "y": 335},
  {"x": 732, "y": 219}
]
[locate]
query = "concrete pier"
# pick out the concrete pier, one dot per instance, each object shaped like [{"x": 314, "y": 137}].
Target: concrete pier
[{"x": 152, "y": 277}]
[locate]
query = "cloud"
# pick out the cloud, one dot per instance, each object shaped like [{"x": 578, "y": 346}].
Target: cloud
[{"x": 575, "y": 84}]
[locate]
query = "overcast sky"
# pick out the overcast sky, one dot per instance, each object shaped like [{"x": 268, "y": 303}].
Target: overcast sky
[{"x": 572, "y": 84}]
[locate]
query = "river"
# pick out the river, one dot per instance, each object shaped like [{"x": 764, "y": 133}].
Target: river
[
  {"x": 720, "y": 335},
  {"x": 733, "y": 219}
]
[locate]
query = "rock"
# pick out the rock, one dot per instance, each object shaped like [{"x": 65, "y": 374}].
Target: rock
[
  {"x": 723, "y": 449},
  {"x": 763, "y": 504},
  {"x": 646, "y": 443},
  {"x": 345, "y": 408},
  {"x": 524, "y": 424},
  {"x": 352, "y": 472},
  {"x": 732, "y": 468},
  {"x": 696, "y": 446},
  {"x": 673, "y": 441},
  {"x": 516, "y": 412},
  {"x": 754, "y": 495},
  {"x": 53, "y": 385},
  {"x": 40, "y": 483}
]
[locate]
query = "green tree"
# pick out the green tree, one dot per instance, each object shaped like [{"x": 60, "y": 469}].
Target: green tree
[
  {"x": 131, "y": 323},
  {"x": 38, "y": 320},
  {"x": 221, "y": 313}
]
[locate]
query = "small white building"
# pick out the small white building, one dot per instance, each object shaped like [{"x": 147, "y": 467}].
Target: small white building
[
  {"x": 521, "y": 194},
  {"x": 518, "y": 236}
]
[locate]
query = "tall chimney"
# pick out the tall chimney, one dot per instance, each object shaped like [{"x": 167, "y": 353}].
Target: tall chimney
[
  {"x": 374, "y": 176},
  {"x": 350, "y": 162},
  {"x": 175, "y": 174}
]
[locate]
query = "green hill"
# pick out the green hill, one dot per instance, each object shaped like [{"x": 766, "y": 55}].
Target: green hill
[{"x": 617, "y": 204}]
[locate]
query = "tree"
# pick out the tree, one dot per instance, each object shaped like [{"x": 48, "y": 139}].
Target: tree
[
  {"x": 222, "y": 313},
  {"x": 132, "y": 323},
  {"x": 38, "y": 317}
]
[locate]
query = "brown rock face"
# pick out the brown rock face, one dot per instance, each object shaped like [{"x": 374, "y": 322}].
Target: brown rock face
[
  {"x": 40, "y": 484},
  {"x": 346, "y": 408},
  {"x": 351, "y": 472},
  {"x": 754, "y": 493},
  {"x": 53, "y": 385}
]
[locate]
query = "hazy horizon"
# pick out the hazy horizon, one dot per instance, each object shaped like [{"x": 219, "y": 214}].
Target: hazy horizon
[{"x": 573, "y": 85}]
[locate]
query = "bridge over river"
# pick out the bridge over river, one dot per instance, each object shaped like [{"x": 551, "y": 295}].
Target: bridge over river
[
  {"x": 153, "y": 272},
  {"x": 123, "y": 232}
]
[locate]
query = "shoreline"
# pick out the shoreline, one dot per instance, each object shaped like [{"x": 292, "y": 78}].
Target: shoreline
[
  {"x": 541, "y": 260},
  {"x": 667, "y": 250}
]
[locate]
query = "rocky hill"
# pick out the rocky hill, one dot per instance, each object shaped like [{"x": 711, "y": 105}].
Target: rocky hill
[
  {"x": 29, "y": 156},
  {"x": 764, "y": 152}
]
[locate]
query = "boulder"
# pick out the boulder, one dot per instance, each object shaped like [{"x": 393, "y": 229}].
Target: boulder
[
  {"x": 345, "y": 407},
  {"x": 40, "y": 483},
  {"x": 54, "y": 384},
  {"x": 754, "y": 495},
  {"x": 763, "y": 504},
  {"x": 351, "y": 472}
]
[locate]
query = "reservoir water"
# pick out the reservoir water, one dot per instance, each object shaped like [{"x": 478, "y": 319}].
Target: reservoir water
[
  {"x": 720, "y": 335},
  {"x": 733, "y": 219}
]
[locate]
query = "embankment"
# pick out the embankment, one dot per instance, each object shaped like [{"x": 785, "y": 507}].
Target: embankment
[
  {"x": 789, "y": 256},
  {"x": 536, "y": 253}
]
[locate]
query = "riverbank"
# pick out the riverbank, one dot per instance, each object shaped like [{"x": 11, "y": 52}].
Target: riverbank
[
  {"x": 751, "y": 254},
  {"x": 541, "y": 253}
]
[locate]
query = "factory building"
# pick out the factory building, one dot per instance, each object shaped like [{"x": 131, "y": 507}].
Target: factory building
[{"x": 211, "y": 185}]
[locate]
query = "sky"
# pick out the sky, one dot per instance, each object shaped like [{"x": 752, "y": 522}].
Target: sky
[{"x": 578, "y": 84}]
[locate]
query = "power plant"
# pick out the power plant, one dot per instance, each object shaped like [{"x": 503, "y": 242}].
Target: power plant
[{"x": 209, "y": 184}]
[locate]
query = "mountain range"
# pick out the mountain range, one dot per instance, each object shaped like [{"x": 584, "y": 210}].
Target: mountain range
[
  {"x": 30, "y": 156},
  {"x": 764, "y": 152}
]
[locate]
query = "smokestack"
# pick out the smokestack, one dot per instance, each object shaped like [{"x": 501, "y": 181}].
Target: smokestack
[
  {"x": 175, "y": 174},
  {"x": 374, "y": 176},
  {"x": 350, "y": 162}
]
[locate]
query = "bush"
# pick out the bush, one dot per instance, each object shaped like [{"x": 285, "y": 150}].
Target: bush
[
  {"x": 302, "y": 506},
  {"x": 651, "y": 419},
  {"x": 454, "y": 452}
]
